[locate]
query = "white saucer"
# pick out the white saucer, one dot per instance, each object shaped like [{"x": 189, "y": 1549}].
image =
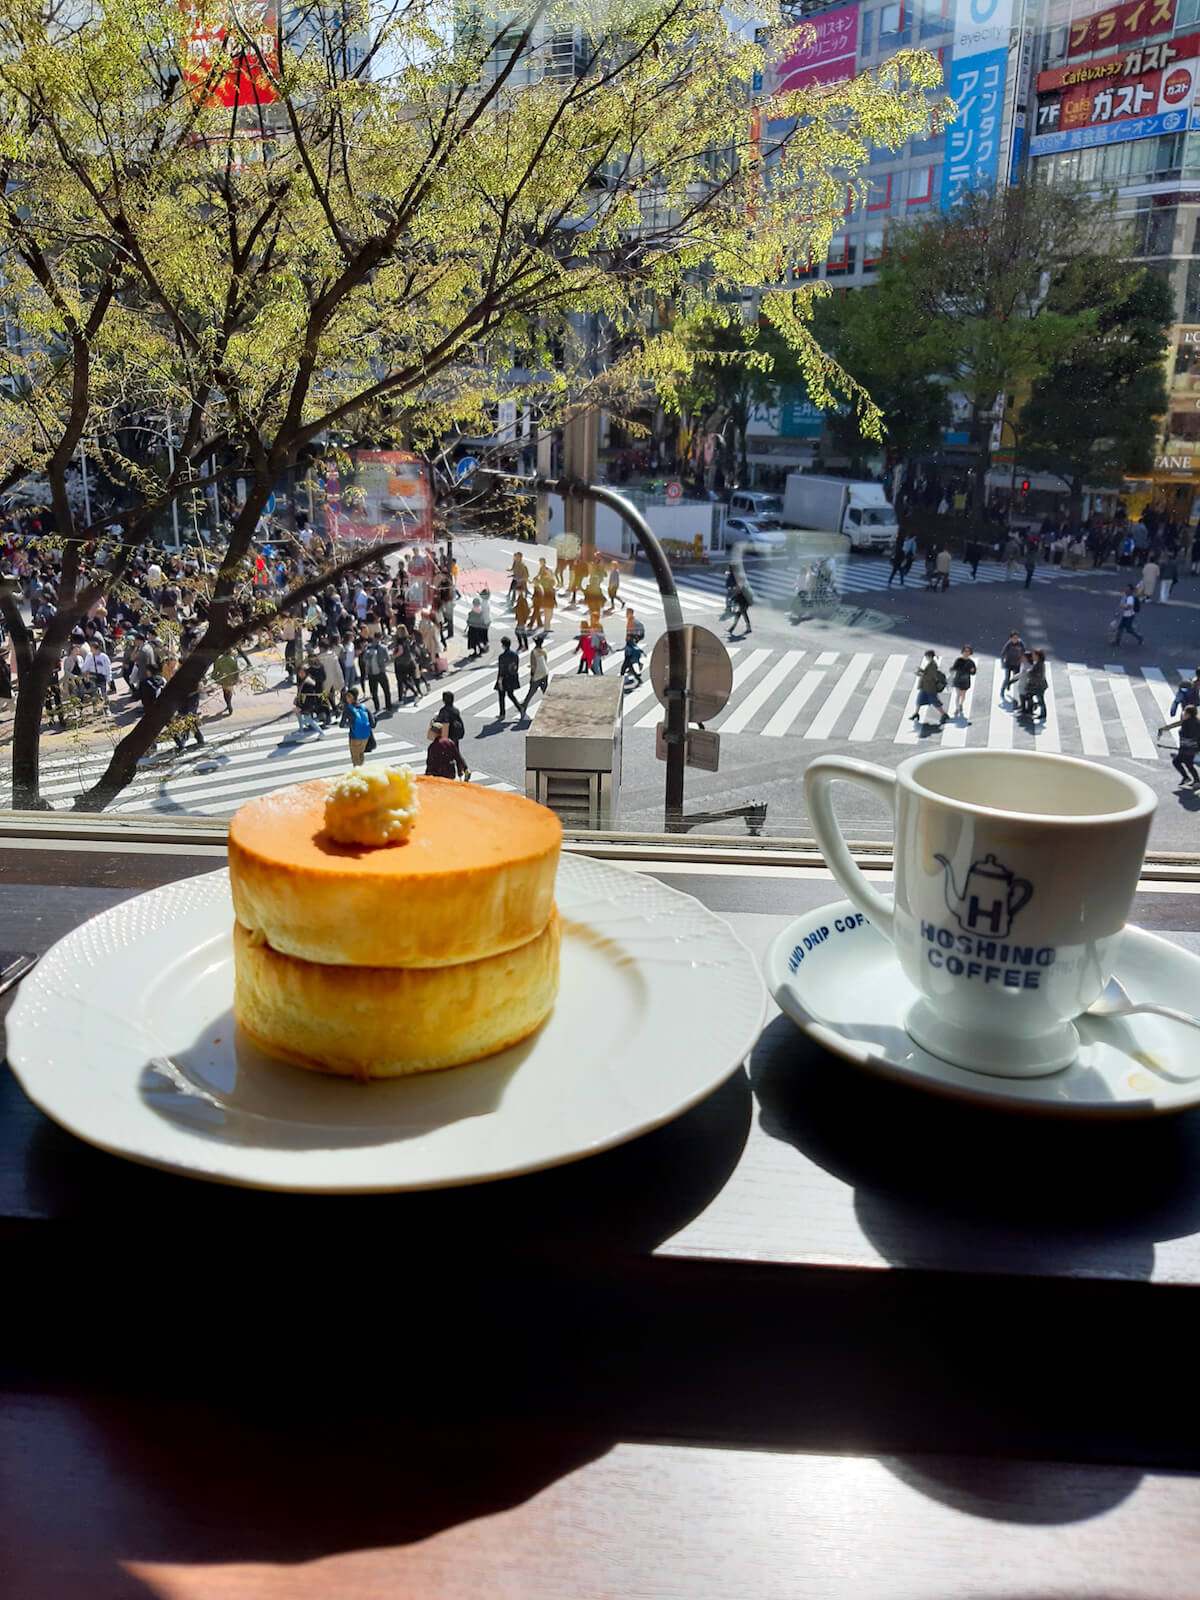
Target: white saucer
[{"x": 848, "y": 993}]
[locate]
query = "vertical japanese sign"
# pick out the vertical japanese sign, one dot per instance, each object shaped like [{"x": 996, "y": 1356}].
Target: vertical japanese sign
[{"x": 976, "y": 85}]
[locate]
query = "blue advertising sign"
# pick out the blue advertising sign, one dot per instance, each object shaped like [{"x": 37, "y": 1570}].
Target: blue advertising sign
[
  {"x": 1048, "y": 144},
  {"x": 976, "y": 85},
  {"x": 799, "y": 418}
]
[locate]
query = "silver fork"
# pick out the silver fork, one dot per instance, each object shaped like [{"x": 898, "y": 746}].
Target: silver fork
[{"x": 16, "y": 969}]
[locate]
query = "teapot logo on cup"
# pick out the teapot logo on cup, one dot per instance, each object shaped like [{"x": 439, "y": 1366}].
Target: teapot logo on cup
[{"x": 988, "y": 900}]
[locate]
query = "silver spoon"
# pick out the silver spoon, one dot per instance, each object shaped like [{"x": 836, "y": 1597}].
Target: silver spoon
[{"x": 1114, "y": 1002}]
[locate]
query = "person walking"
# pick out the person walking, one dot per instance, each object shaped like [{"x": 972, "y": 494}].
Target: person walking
[
  {"x": 225, "y": 674},
  {"x": 443, "y": 758},
  {"x": 1030, "y": 560},
  {"x": 742, "y": 603},
  {"x": 1012, "y": 551},
  {"x": 1184, "y": 759},
  {"x": 539, "y": 673},
  {"x": 971, "y": 557},
  {"x": 731, "y": 588},
  {"x": 1151, "y": 572},
  {"x": 897, "y": 568},
  {"x": 508, "y": 677},
  {"x": 635, "y": 631},
  {"x": 931, "y": 680},
  {"x": 1168, "y": 578},
  {"x": 521, "y": 615},
  {"x": 1010, "y": 659},
  {"x": 1036, "y": 685},
  {"x": 1127, "y": 610},
  {"x": 942, "y": 567},
  {"x": 631, "y": 663},
  {"x": 614, "y": 585},
  {"x": 307, "y": 703},
  {"x": 375, "y": 665},
  {"x": 357, "y": 720},
  {"x": 585, "y": 649},
  {"x": 962, "y": 671}
]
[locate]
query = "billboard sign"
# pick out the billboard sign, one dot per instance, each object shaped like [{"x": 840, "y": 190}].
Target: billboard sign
[
  {"x": 1138, "y": 96},
  {"x": 982, "y": 31},
  {"x": 825, "y": 52},
  {"x": 247, "y": 55},
  {"x": 1120, "y": 26}
]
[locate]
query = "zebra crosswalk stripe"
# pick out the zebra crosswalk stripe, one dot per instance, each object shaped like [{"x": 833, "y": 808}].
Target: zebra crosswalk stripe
[
  {"x": 1000, "y": 729},
  {"x": 1087, "y": 712},
  {"x": 1141, "y": 746},
  {"x": 734, "y": 721},
  {"x": 791, "y": 708},
  {"x": 839, "y": 698},
  {"x": 871, "y": 715}
]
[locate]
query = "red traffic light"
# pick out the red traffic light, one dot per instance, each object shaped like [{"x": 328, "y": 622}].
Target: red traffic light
[{"x": 1024, "y": 485}]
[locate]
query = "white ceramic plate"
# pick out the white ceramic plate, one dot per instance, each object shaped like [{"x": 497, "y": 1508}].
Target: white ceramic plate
[
  {"x": 838, "y": 977},
  {"x": 124, "y": 1035}
]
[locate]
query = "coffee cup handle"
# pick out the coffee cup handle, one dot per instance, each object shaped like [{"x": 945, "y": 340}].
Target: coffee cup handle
[{"x": 822, "y": 774}]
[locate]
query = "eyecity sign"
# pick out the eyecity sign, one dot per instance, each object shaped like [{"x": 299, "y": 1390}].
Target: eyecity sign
[{"x": 976, "y": 85}]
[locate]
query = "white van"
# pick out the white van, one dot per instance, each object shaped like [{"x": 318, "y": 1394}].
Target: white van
[{"x": 754, "y": 503}]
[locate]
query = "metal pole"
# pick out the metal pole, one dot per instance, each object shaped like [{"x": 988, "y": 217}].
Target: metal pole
[
  {"x": 87, "y": 499},
  {"x": 174, "y": 497},
  {"x": 676, "y": 720}
]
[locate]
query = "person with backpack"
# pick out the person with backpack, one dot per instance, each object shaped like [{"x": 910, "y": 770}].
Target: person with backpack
[
  {"x": 1011, "y": 656},
  {"x": 358, "y": 721},
  {"x": 508, "y": 676},
  {"x": 443, "y": 758},
  {"x": 307, "y": 702},
  {"x": 635, "y": 631},
  {"x": 631, "y": 665},
  {"x": 1187, "y": 694},
  {"x": 931, "y": 680},
  {"x": 1184, "y": 759},
  {"x": 962, "y": 671}
]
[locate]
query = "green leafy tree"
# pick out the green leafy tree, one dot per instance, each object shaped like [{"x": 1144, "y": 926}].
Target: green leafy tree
[
  {"x": 858, "y": 330},
  {"x": 738, "y": 365},
  {"x": 1094, "y": 417},
  {"x": 965, "y": 294},
  {"x": 369, "y": 247}
]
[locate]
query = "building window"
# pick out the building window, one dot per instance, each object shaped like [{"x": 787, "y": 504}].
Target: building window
[
  {"x": 842, "y": 253},
  {"x": 873, "y": 248},
  {"x": 1153, "y": 230},
  {"x": 1191, "y": 294},
  {"x": 879, "y": 192},
  {"x": 891, "y": 21},
  {"x": 920, "y": 191},
  {"x": 864, "y": 43},
  {"x": 936, "y": 17}
]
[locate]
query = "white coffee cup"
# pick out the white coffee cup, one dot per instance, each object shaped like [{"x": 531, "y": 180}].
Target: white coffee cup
[{"x": 1014, "y": 873}]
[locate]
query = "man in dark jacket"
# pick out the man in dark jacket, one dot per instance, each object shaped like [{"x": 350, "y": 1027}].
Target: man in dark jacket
[
  {"x": 443, "y": 758},
  {"x": 1010, "y": 659}
]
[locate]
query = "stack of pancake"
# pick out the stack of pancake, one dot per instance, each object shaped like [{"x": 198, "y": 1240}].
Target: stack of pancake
[{"x": 380, "y": 960}]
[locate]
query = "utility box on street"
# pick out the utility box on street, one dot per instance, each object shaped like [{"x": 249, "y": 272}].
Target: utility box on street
[{"x": 573, "y": 749}]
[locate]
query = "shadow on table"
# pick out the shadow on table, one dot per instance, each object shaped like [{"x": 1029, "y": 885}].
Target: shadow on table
[
  {"x": 624, "y": 1200},
  {"x": 947, "y": 1186},
  {"x": 182, "y": 1482},
  {"x": 1034, "y": 1493}
]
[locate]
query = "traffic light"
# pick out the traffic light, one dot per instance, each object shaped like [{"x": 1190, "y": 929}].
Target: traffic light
[{"x": 1024, "y": 485}]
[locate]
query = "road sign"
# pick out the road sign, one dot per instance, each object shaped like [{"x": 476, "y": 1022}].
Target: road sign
[
  {"x": 703, "y": 749},
  {"x": 464, "y": 469},
  {"x": 269, "y": 508},
  {"x": 709, "y": 673},
  {"x": 674, "y": 489}
]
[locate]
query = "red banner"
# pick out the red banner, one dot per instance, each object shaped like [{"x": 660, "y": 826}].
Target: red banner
[
  {"x": 1146, "y": 58},
  {"x": 1120, "y": 26},
  {"x": 248, "y": 62}
]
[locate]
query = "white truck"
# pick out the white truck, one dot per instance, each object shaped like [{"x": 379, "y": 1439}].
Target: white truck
[{"x": 862, "y": 511}]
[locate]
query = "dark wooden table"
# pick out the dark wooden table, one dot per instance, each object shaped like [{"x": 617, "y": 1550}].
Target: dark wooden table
[{"x": 819, "y": 1336}]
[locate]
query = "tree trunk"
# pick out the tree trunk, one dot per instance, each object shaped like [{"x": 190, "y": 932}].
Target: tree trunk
[
  {"x": 27, "y": 735},
  {"x": 1075, "y": 502}
]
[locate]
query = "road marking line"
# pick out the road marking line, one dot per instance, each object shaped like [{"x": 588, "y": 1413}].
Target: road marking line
[
  {"x": 823, "y": 723},
  {"x": 736, "y": 720},
  {"x": 1048, "y": 734},
  {"x": 1000, "y": 719},
  {"x": 1161, "y": 693},
  {"x": 827, "y": 658},
  {"x": 1141, "y": 745},
  {"x": 793, "y": 705},
  {"x": 954, "y": 734},
  {"x": 1087, "y": 712},
  {"x": 871, "y": 715}
]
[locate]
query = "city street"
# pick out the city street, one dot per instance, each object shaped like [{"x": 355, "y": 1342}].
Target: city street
[{"x": 840, "y": 682}]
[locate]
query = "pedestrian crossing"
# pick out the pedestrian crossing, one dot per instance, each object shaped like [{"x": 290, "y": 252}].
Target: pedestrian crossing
[
  {"x": 772, "y": 581},
  {"x": 1097, "y": 710},
  {"x": 214, "y": 779}
]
